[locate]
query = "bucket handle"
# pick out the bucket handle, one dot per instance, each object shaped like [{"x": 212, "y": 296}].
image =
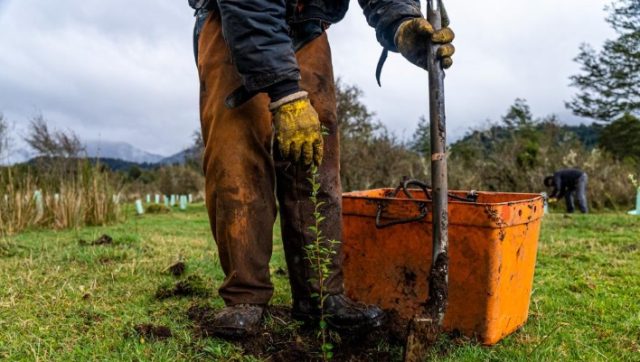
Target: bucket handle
[
  {"x": 472, "y": 196},
  {"x": 404, "y": 186},
  {"x": 422, "y": 207}
]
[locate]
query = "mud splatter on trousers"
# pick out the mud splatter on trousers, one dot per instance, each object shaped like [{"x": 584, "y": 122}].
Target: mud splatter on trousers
[{"x": 244, "y": 177}]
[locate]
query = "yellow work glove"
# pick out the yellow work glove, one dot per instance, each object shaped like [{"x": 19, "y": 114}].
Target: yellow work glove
[
  {"x": 414, "y": 38},
  {"x": 298, "y": 129}
]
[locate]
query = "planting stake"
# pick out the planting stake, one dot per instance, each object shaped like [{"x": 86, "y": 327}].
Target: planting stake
[
  {"x": 425, "y": 327},
  {"x": 139, "y": 208},
  {"x": 37, "y": 195},
  {"x": 546, "y": 202},
  {"x": 637, "y": 210}
]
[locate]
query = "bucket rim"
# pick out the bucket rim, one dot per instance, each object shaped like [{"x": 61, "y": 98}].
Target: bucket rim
[{"x": 528, "y": 197}]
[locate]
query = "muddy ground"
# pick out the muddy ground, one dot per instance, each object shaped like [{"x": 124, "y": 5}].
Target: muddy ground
[{"x": 282, "y": 339}]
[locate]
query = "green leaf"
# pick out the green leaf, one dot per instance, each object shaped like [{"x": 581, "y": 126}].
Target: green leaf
[{"x": 329, "y": 355}]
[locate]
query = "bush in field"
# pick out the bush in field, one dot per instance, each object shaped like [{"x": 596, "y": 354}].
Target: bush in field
[
  {"x": 178, "y": 180},
  {"x": 84, "y": 198},
  {"x": 57, "y": 151},
  {"x": 158, "y": 209}
]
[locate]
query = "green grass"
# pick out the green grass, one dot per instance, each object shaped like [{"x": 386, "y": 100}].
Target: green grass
[{"x": 60, "y": 300}]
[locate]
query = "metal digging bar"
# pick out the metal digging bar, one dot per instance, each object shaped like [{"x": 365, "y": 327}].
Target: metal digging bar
[{"x": 425, "y": 328}]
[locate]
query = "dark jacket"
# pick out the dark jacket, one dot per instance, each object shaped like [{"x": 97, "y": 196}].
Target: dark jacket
[
  {"x": 263, "y": 34},
  {"x": 565, "y": 181}
]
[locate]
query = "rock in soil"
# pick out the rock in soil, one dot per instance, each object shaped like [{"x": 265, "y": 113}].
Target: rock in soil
[
  {"x": 151, "y": 331},
  {"x": 282, "y": 339}
]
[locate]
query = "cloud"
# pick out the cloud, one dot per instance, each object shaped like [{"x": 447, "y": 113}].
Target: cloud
[
  {"x": 117, "y": 70},
  {"x": 124, "y": 70}
]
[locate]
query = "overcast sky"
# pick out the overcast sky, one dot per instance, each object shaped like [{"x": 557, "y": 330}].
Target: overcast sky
[{"x": 124, "y": 70}]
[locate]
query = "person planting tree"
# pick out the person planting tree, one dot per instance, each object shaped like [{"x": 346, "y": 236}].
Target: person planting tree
[
  {"x": 570, "y": 184},
  {"x": 265, "y": 68}
]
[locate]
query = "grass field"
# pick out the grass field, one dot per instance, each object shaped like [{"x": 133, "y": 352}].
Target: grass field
[{"x": 62, "y": 300}]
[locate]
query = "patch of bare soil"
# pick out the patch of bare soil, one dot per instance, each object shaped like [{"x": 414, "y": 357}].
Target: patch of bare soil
[
  {"x": 152, "y": 331},
  {"x": 103, "y": 240},
  {"x": 283, "y": 339}
]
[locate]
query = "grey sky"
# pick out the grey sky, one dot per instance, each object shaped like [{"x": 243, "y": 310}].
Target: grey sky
[{"x": 124, "y": 70}]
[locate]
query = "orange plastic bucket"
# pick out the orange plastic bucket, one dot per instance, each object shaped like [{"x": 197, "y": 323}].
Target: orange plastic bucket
[{"x": 492, "y": 255}]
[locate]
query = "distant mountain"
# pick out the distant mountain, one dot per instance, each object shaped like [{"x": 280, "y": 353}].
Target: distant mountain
[
  {"x": 120, "y": 151},
  {"x": 120, "y": 165},
  {"x": 181, "y": 157},
  {"x": 20, "y": 155},
  {"x": 117, "y": 155},
  {"x": 110, "y": 163}
]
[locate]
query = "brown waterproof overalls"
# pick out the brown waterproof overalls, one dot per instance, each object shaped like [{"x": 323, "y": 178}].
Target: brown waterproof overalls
[{"x": 244, "y": 174}]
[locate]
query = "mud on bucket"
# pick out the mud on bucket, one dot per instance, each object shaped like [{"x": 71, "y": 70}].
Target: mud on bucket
[{"x": 493, "y": 242}]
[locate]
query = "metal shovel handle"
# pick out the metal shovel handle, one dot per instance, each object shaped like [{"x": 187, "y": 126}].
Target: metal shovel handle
[{"x": 437, "y": 119}]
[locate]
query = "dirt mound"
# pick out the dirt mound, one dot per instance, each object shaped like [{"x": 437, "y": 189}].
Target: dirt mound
[
  {"x": 283, "y": 339},
  {"x": 177, "y": 269},
  {"x": 151, "y": 331}
]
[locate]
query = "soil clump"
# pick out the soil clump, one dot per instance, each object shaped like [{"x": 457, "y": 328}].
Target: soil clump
[
  {"x": 152, "y": 331},
  {"x": 177, "y": 269}
]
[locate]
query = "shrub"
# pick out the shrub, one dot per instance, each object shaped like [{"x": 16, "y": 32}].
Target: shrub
[{"x": 86, "y": 197}]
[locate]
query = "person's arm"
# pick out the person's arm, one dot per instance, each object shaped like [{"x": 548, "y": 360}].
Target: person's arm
[
  {"x": 557, "y": 186},
  {"x": 400, "y": 27},
  {"x": 256, "y": 32},
  {"x": 386, "y": 16}
]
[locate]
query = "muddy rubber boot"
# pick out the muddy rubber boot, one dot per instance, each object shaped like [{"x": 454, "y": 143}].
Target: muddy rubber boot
[
  {"x": 342, "y": 313},
  {"x": 237, "y": 321}
]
